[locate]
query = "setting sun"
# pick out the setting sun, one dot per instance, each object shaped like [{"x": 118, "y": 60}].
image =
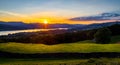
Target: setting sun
[{"x": 45, "y": 21}]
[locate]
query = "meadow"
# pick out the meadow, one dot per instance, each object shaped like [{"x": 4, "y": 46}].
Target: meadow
[
  {"x": 91, "y": 61},
  {"x": 79, "y": 47},
  {"x": 87, "y": 46},
  {"x": 60, "y": 48}
]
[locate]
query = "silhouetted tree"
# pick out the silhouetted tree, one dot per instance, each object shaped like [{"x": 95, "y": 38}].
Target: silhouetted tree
[
  {"x": 103, "y": 36},
  {"x": 115, "y": 29},
  {"x": 90, "y": 34}
]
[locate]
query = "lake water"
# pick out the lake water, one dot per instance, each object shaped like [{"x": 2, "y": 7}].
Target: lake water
[{"x": 29, "y": 30}]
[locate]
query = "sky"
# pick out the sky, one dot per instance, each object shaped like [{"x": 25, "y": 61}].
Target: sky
[{"x": 55, "y": 11}]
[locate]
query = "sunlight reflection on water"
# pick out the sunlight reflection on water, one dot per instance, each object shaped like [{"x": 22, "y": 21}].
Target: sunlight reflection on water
[{"x": 28, "y": 30}]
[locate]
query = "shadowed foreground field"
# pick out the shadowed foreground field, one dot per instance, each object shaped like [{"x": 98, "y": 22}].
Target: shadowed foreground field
[
  {"x": 91, "y": 61},
  {"x": 79, "y": 53}
]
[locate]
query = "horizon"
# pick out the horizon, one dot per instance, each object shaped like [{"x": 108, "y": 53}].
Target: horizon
[
  {"x": 55, "y": 11},
  {"x": 55, "y": 23}
]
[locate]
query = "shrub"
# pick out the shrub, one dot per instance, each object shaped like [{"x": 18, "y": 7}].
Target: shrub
[{"x": 103, "y": 36}]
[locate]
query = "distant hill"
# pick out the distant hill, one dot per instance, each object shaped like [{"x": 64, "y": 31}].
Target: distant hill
[
  {"x": 4, "y": 27},
  {"x": 96, "y": 25},
  {"x": 21, "y": 26}
]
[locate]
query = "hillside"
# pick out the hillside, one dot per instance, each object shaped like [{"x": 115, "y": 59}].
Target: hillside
[{"x": 80, "y": 47}]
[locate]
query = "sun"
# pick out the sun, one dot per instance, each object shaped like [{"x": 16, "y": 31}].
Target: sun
[{"x": 45, "y": 21}]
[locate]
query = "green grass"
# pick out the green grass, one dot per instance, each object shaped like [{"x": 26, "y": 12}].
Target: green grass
[
  {"x": 39, "y": 61},
  {"x": 115, "y": 39},
  {"x": 79, "y": 47},
  {"x": 60, "y": 48},
  {"x": 91, "y": 61}
]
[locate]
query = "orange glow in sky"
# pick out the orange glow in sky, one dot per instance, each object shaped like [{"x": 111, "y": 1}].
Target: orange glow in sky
[
  {"x": 51, "y": 18},
  {"x": 55, "y": 11},
  {"x": 45, "y": 21},
  {"x": 8, "y": 16}
]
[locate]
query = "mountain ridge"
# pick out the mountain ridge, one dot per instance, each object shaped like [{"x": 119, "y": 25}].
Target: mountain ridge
[{"x": 5, "y": 26}]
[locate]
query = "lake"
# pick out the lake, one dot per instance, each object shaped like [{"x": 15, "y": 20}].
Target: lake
[{"x": 28, "y": 30}]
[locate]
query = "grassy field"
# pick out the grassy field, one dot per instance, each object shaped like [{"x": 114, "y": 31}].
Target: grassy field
[
  {"x": 60, "y": 48},
  {"x": 91, "y": 61},
  {"x": 115, "y": 39},
  {"x": 80, "y": 47}
]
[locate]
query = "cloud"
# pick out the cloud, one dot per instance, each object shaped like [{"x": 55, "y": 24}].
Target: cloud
[
  {"x": 100, "y": 17},
  {"x": 13, "y": 14},
  {"x": 6, "y": 15}
]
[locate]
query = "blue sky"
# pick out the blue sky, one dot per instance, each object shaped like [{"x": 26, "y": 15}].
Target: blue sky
[{"x": 57, "y": 8}]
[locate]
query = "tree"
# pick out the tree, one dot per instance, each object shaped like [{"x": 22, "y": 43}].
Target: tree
[
  {"x": 115, "y": 29},
  {"x": 103, "y": 36}
]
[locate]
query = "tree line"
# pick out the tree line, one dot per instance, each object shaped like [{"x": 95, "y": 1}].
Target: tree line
[{"x": 101, "y": 35}]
